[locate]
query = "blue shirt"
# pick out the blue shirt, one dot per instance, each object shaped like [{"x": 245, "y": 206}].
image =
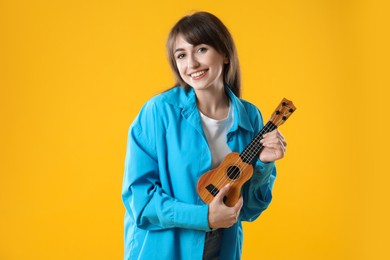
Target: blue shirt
[{"x": 167, "y": 152}]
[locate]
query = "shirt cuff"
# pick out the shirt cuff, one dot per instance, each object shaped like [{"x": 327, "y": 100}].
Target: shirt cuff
[
  {"x": 263, "y": 172},
  {"x": 191, "y": 216}
]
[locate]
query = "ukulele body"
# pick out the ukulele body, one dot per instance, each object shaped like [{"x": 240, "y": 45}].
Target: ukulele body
[{"x": 232, "y": 170}]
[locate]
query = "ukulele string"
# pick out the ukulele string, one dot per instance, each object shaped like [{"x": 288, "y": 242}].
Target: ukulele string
[
  {"x": 260, "y": 146},
  {"x": 225, "y": 179},
  {"x": 257, "y": 148},
  {"x": 267, "y": 129}
]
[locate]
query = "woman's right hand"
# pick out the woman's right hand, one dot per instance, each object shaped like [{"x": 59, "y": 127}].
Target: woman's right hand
[{"x": 220, "y": 215}]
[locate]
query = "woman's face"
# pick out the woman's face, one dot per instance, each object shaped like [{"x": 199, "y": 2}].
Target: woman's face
[{"x": 200, "y": 66}]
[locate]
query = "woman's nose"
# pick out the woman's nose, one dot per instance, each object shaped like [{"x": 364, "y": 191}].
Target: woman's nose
[{"x": 192, "y": 62}]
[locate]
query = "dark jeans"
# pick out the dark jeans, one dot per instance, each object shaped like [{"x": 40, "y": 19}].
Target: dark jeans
[{"x": 212, "y": 244}]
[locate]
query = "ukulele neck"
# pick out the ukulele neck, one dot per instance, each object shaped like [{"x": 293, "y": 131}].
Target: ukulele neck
[
  {"x": 279, "y": 116},
  {"x": 252, "y": 150}
]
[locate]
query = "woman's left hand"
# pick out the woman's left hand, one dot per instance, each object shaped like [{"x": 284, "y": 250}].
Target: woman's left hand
[{"x": 274, "y": 146}]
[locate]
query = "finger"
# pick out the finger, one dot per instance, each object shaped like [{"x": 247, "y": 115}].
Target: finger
[
  {"x": 280, "y": 134},
  {"x": 284, "y": 144},
  {"x": 274, "y": 133},
  {"x": 270, "y": 134},
  {"x": 278, "y": 146},
  {"x": 273, "y": 141},
  {"x": 269, "y": 137},
  {"x": 265, "y": 139},
  {"x": 222, "y": 193},
  {"x": 281, "y": 137}
]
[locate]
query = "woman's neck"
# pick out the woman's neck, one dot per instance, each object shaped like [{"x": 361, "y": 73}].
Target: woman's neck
[{"x": 213, "y": 103}]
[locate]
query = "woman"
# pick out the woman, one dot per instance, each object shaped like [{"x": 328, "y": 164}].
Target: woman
[{"x": 181, "y": 134}]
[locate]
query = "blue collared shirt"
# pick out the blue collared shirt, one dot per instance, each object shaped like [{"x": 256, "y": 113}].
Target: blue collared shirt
[{"x": 167, "y": 152}]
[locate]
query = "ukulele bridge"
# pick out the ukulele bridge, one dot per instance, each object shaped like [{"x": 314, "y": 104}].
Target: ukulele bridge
[{"x": 212, "y": 189}]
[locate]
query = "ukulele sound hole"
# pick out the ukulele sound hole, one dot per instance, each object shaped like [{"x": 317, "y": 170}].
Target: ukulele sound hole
[{"x": 233, "y": 172}]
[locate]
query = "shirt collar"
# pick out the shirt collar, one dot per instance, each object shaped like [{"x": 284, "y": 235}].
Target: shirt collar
[
  {"x": 187, "y": 101},
  {"x": 241, "y": 118}
]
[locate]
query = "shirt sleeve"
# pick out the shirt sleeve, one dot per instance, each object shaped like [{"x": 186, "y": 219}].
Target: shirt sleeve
[
  {"x": 257, "y": 192},
  {"x": 143, "y": 196}
]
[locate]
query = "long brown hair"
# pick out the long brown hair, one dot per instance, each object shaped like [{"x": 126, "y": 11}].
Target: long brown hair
[{"x": 206, "y": 28}]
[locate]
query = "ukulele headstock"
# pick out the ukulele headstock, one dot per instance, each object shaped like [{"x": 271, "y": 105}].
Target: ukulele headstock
[{"x": 282, "y": 112}]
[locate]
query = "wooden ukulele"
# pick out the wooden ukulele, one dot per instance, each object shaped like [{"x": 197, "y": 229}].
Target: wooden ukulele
[{"x": 236, "y": 168}]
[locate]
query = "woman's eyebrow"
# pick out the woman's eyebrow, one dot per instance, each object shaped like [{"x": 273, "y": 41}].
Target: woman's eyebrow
[
  {"x": 183, "y": 49},
  {"x": 178, "y": 49}
]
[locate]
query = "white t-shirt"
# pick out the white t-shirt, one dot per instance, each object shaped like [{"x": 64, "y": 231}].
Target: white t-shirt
[{"x": 215, "y": 131}]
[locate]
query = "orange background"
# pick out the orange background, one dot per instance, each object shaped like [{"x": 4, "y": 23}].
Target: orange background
[{"x": 74, "y": 74}]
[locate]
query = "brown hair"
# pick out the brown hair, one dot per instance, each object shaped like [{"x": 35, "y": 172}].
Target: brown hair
[{"x": 206, "y": 28}]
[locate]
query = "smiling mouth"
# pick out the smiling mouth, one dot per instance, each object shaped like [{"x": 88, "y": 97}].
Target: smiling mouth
[{"x": 198, "y": 74}]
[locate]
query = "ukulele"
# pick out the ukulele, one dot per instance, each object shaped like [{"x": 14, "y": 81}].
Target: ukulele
[{"x": 236, "y": 168}]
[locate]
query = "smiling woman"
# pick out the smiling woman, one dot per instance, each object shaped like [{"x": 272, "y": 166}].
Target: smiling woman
[
  {"x": 205, "y": 29},
  {"x": 199, "y": 66},
  {"x": 183, "y": 133}
]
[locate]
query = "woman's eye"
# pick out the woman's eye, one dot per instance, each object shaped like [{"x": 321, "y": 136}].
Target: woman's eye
[
  {"x": 180, "y": 56},
  {"x": 202, "y": 49}
]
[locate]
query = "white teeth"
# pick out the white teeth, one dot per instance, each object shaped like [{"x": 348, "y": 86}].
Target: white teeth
[{"x": 197, "y": 74}]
